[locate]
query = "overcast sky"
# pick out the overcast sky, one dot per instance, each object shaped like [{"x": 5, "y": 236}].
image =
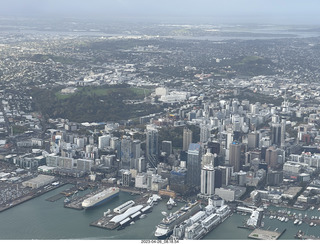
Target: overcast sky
[{"x": 255, "y": 11}]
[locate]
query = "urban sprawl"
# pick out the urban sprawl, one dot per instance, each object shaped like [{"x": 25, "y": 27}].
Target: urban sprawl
[{"x": 234, "y": 120}]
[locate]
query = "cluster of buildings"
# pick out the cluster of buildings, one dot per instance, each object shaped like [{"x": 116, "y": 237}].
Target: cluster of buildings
[{"x": 242, "y": 144}]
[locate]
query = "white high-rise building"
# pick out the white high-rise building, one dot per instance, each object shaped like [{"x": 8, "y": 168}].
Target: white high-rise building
[
  {"x": 208, "y": 158},
  {"x": 104, "y": 141},
  {"x": 207, "y": 180}
]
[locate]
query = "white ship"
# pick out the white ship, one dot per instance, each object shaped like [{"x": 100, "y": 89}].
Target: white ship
[
  {"x": 100, "y": 197},
  {"x": 165, "y": 228},
  {"x": 171, "y": 203}
]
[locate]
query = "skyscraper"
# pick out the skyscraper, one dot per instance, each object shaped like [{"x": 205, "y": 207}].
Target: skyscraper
[
  {"x": 194, "y": 165},
  {"x": 283, "y": 132},
  {"x": 276, "y": 134},
  {"x": 126, "y": 152},
  {"x": 104, "y": 141},
  {"x": 208, "y": 158},
  {"x": 136, "y": 153},
  {"x": 187, "y": 139},
  {"x": 166, "y": 146},
  {"x": 207, "y": 181},
  {"x": 235, "y": 156},
  {"x": 152, "y": 148},
  {"x": 204, "y": 133}
]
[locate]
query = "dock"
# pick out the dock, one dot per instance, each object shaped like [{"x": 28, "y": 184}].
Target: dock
[
  {"x": 55, "y": 197},
  {"x": 76, "y": 202},
  {"x": 260, "y": 234},
  {"x": 104, "y": 221}
]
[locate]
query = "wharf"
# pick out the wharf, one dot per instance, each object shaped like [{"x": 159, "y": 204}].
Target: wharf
[
  {"x": 302, "y": 236},
  {"x": 76, "y": 203},
  {"x": 40, "y": 191},
  {"x": 55, "y": 197},
  {"x": 260, "y": 234},
  {"x": 104, "y": 221}
]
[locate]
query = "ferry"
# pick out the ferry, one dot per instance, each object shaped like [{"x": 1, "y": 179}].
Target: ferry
[{"x": 100, "y": 197}]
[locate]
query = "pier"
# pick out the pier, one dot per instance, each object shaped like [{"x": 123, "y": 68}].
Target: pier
[
  {"x": 55, "y": 197},
  {"x": 76, "y": 203},
  {"x": 260, "y": 234},
  {"x": 104, "y": 221}
]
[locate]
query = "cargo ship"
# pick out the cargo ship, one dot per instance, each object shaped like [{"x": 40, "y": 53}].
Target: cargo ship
[
  {"x": 165, "y": 228},
  {"x": 100, "y": 197}
]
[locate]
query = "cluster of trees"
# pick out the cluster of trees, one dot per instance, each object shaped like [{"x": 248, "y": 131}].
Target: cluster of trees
[{"x": 91, "y": 106}]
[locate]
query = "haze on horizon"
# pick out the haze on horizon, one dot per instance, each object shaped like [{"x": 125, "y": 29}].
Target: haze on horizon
[{"x": 294, "y": 12}]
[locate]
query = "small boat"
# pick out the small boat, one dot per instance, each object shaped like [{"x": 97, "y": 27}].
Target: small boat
[
  {"x": 106, "y": 213},
  {"x": 286, "y": 220},
  {"x": 67, "y": 200},
  {"x": 296, "y": 221},
  {"x": 311, "y": 224},
  {"x": 164, "y": 213},
  {"x": 142, "y": 216},
  {"x": 171, "y": 203},
  {"x": 132, "y": 223},
  {"x": 300, "y": 222}
]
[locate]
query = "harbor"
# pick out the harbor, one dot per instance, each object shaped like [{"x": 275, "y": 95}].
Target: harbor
[{"x": 70, "y": 224}]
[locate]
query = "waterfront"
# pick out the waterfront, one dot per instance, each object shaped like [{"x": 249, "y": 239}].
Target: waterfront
[{"x": 42, "y": 219}]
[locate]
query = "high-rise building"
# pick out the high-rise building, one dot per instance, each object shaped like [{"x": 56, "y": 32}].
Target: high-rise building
[
  {"x": 207, "y": 180},
  {"x": 208, "y": 158},
  {"x": 276, "y": 134},
  {"x": 194, "y": 165},
  {"x": 136, "y": 153},
  {"x": 204, "y": 133},
  {"x": 187, "y": 139},
  {"x": 166, "y": 146},
  {"x": 223, "y": 175},
  {"x": 141, "y": 164},
  {"x": 283, "y": 132},
  {"x": 115, "y": 144},
  {"x": 253, "y": 140},
  {"x": 274, "y": 178},
  {"x": 126, "y": 152},
  {"x": 152, "y": 148},
  {"x": 178, "y": 180},
  {"x": 274, "y": 157},
  {"x": 104, "y": 141},
  {"x": 235, "y": 156}
]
